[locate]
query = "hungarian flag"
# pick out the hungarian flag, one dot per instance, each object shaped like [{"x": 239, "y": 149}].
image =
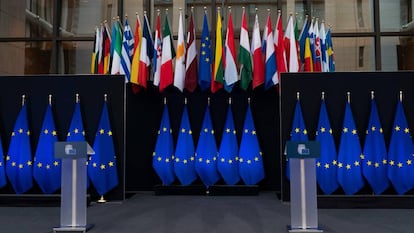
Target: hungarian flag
[
  {"x": 168, "y": 54},
  {"x": 245, "y": 58},
  {"x": 258, "y": 65},
  {"x": 218, "y": 72},
  {"x": 190, "y": 82}
]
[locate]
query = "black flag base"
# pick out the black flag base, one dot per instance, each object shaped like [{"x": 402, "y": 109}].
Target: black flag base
[
  {"x": 303, "y": 230},
  {"x": 214, "y": 190}
]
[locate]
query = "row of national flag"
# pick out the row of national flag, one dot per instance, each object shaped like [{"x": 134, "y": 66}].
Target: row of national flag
[
  {"x": 187, "y": 161},
  {"x": 20, "y": 168},
  {"x": 353, "y": 165},
  {"x": 117, "y": 50}
]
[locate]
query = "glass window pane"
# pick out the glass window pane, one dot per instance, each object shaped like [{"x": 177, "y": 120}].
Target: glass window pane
[
  {"x": 394, "y": 14},
  {"x": 28, "y": 57},
  {"x": 23, "y": 19},
  {"x": 75, "y": 57},
  {"x": 345, "y": 16},
  {"x": 354, "y": 54},
  {"x": 79, "y": 18},
  {"x": 397, "y": 53}
]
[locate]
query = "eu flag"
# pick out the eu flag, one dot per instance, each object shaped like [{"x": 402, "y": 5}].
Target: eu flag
[
  {"x": 228, "y": 164},
  {"x": 3, "y": 180},
  {"x": 251, "y": 167},
  {"x": 349, "y": 162},
  {"x": 400, "y": 171},
  {"x": 206, "y": 152},
  {"x": 164, "y": 149},
  {"x": 47, "y": 169},
  {"x": 102, "y": 168},
  {"x": 374, "y": 165},
  {"x": 298, "y": 132},
  {"x": 326, "y": 170},
  {"x": 19, "y": 158},
  {"x": 76, "y": 132},
  {"x": 184, "y": 153},
  {"x": 204, "y": 64}
]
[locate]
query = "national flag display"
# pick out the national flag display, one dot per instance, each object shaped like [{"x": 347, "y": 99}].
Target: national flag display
[
  {"x": 230, "y": 67},
  {"x": 190, "y": 82},
  {"x": 127, "y": 51},
  {"x": 204, "y": 63},
  {"x": 179, "y": 74},
  {"x": 168, "y": 54},
  {"x": 258, "y": 64},
  {"x": 245, "y": 58},
  {"x": 218, "y": 72}
]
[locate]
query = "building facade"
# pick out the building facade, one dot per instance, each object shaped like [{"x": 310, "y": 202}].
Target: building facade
[{"x": 57, "y": 36}]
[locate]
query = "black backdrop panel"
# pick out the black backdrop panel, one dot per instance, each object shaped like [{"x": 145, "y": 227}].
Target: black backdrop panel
[
  {"x": 144, "y": 116},
  {"x": 91, "y": 89},
  {"x": 386, "y": 86}
]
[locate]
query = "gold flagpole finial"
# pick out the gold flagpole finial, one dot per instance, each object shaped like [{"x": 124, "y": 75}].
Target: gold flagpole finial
[
  {"x": 77, "y": 99},
  {"x": 208, "y": 101},
  {"x": 401, "y": 96},
  {"x": 248, "y": 100},
  {"x": 23, "y": 99},
  {"x": 229, "y": 100},
  {"x": 372, "y": 94},
  {"x": 348, "y": 94},
  {"x": 50, "y": 99},
  {"x": 297, "y": 95},
  {"x": 323, "y": 95},
  {"x": 102, "y": 200},
  {"x": 105, "y": 97},
  {"x": 165, "y": 100},
  {"x": 185, "y": 100}
]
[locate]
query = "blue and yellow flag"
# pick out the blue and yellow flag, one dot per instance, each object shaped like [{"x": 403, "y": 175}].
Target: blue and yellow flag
[
  {"x": 47, "y": 169},
  {"x": 251, "y": 167},
  {"x": 206, "y": 152},
  {"x": 184, "y": 153},
  {"x": 204, "y": 63},
  {"x": 228, "y": 160},
  {"x": 374, "y": 165},
  {"x": 102, "y": 168},
  {"x": 3, "y": 179},
  {"x": 19, "y": 158},
  {"x": 400, "y": 151},
  {"x": 298, "y": 132},
  {"x": 326, "y": 165},
  {"x": 163, "y": 156},
  {"x": 349, "y": 161}
]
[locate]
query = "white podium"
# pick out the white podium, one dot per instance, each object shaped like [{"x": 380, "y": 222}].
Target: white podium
[
  {"x": 303, "y": 199},
  {"x": 73, "y": 204}
]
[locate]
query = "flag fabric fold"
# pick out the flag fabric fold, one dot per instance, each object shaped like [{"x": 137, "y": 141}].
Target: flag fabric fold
[
  {"x": 400, "y": 151},
  {"x": 298, "y": 131},
  {"x": 156, "y": 63},
  {"x": 280, "y": 46},
  {"x": 245, "y": 58},
  {"x": 19, "y": 157},
  {"x": 117, "y": 48},
  {"x": 204, "y": 63},
  {"x": 271, "y": 72},
  {"x": 127, "y": 51},
  {"x": 349, "y": 161},
  {"x": 3, "y": 178},
  {"x": 302, "y": 39},
  {"x": 331, "y": 60},
  {"x": 146, "y": 54},
  {"x": 206, "y": 152},
  {"x": 291, "y": 48},
  {"x": 190, "y": 82},
  {"x": 184, "y": 162},
  {"x": 251, "y": 167},
  {"x": 167, "y": 56},
  {"x": 228, "y": 160},
  {"x": 230, "y": 67},
  {"x": 163, "y": 155},
  {"x": 326, "y": 169},
  {"x": 258, "y": 64},
  {"x": 218, "y": 72},
  {"x": 179, "y": 74},
  {"x": 47, "y": 169},
  {"x": 102, "y": 167},
  {"x": 374, "y": 165}
]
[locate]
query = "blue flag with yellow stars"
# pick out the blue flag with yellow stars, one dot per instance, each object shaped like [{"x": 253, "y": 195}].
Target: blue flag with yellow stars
[
  {"x": 19, "y": 158},
  {"x": 374, "y": 166},
  {"x": 76, "y": 132},
  {"x": 47, "y": 169},
  {"x": 228, "y": 161},
  {"x": 349, "y": 161},
  {"x": 326, "y": 170},
  {"x": 206, "y": 152},
  {"x": 298, "y": 132},
  {"x": 163, "y": 155},
  {"x": 184, "y": 153},
  {"x": 3, "y": 179},
  {"x": 251, "y": 167},
  {"x": 204, "y": 63},
  {"x": 400, "y": 151},
  {"x": 102, "y": 169}
]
